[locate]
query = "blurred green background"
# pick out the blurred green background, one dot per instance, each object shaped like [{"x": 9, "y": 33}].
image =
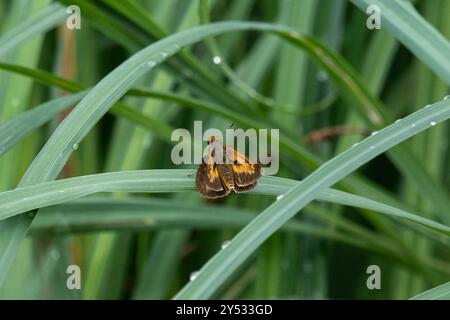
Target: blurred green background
[{"x": 121, "y": 251}]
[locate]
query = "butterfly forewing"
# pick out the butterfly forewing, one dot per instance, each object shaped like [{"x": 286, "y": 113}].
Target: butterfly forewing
[{"x": 246, "y": 173}]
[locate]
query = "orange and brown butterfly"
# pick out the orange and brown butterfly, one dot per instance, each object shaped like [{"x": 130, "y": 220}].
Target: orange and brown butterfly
[{"x": 235, "y": 173}]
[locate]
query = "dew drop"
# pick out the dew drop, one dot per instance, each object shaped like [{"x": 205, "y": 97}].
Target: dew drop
[
  {"x": 413, "y": 125},
  {"x": 354, "y": 145},
  {"x": 372, "y": 147},
  {"x": 225, "y": 244},
  {"x": 193, "y": 275},
  {"x": 279, "y": 197},
  {"x": 374, "y": 133},
  {"x": 217, "y": 59},
  {"x": 432, "y": 123},
  {"x": 427, "y": 106},
  {"x": 447, "y": 97},
  {"x": 163, "y": 54},
  {"x": 151, "y": 63},
  {"x": 398, "y": 120},
  {"x": 75, "y": 146}
]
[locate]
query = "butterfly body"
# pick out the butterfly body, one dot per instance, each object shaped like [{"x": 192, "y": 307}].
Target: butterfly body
[{"x": 216, "y": 179}]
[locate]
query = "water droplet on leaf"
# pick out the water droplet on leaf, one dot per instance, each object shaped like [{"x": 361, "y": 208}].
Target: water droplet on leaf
[
  {"x": 225, "y": 244},
  {"x": 193, "y": 275},
  {"x": 217, "y": 59}
]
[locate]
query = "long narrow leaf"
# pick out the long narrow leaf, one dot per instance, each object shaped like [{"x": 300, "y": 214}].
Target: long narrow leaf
[
  {"x": 411, "y": 29},
  {"x": 160, "y": 181},
  {"x": 217, "y": 270},
  {"x": 48, "y": 18},
  {"x": 17, "y": 128},
  {"x": 441, "y": 292}
]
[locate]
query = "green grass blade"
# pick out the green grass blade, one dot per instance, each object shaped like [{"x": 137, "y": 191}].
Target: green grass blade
[
  {"x": 97, "y": 214},
  {"x": 12, "y": 131},
  {"x": 286, "y": 143},
  {"x": 319, "y": 76},
  {"x": 217, "y": 270},
  {"x": 44, "y": 77},
  {"x": 137, "y": 214},
  {"x": 158, "y": 127},
  {"x": 52, "y": 157},
  {"x": 441, "y": 292},
  {"x": 411, "y": 29},
  {"x": 108, "y": 214},
  {"x": 161, "y": 181},
  {"x": 376, "y": 115},
  {"x": 41, "y": 22},
  {"x": 93, "y": 106},
  {"x": 332, "y": 63},
  {"x": 114, "y": 29},
  {"x": 109, "y": 90}
]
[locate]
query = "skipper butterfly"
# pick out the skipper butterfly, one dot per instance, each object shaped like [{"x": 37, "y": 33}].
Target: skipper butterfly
[{"x": 216, "y": 179}]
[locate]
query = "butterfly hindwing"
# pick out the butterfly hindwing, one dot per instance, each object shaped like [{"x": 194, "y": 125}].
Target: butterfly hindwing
[
  {"x": 245, "y": 188},
  {"x": 209, "y": 188}
]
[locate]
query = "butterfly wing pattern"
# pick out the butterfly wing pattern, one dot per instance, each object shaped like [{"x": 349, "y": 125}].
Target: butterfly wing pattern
[{"x": 238, "y": 174}]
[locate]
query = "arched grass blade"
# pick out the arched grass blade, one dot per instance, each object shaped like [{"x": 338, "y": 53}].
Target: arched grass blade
[
  {"x": 441, "y": 292},
  {"x": 162, "y": 181},
  {"x": 137, "y": 214},
  {"x": 51, "y": 159},
  {"x": 219, "y": 268}
]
